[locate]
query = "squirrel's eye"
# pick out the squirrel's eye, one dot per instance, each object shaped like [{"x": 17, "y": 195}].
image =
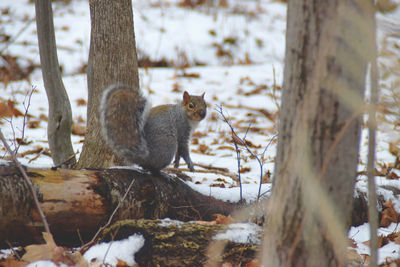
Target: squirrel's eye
[{"x": 191, "y": 105}]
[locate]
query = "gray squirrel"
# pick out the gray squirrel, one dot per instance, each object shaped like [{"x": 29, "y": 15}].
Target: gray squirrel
[{"x": 149, "y": 137}]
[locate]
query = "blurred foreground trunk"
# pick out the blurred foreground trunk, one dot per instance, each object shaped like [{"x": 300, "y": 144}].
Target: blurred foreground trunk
[{"x": 328, "y": 46}]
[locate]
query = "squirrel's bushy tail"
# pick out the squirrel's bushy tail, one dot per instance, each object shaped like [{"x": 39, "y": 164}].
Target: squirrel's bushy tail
[{"x": 122, "y": 117}]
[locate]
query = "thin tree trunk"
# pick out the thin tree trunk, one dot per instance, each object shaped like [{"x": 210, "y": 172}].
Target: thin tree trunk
[
  {"x": 112, "y": 59},
  {"x": 60, "y": 115},
  {"x": 372, "y": 198},
  {"x": 327, "y": 46},
  {"x": 77, "y": 202}
]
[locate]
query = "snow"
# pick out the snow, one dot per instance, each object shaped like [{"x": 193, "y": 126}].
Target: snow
[
  {"x": 241, "y": 233},
  {"x": 249, "y": 191},
  {"x": 110, "y": 253},
  {"x": 251, "y": 32},
  {"x": 44, "y": 264},
  {"x": 387, "y": 252},
  {"x": 169, "y": 222}
]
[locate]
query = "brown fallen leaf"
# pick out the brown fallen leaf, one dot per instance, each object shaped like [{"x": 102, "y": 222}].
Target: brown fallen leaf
[
  {"x": 50, "y": 251},
  {"x": 7, "y": 109},
  {"x": 253, "y": 263},
  {"x": 222, "y": 219},
  {"x": 389, "y": 214},
  {"x": 33, "y": 124},
  {"x": 11, "y": 261},
  {"x": 81, "y": 102},
  {"x": 121, "y": 263},
  {"x": 394, "y": 149},
  {"x": 78, "y": 129}
]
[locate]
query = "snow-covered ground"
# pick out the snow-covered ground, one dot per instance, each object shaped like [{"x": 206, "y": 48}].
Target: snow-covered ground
[{"x": 236, "y": 53}]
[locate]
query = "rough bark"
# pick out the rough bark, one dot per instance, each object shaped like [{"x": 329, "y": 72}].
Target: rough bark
[
  {"x": 327, "y": 45},
  {"x": 77, "y": 202},
  {"x": 60, "y": 115},
  {"x": 112, "y": 59}
]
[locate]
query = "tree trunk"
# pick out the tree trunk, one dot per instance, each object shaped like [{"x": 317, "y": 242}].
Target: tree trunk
[
  {"x": 327, "y": 46},
  {"x": 77, "y": 202},
  {"x": 112, "y": 59},
  {"x": 60, "y": 115}
]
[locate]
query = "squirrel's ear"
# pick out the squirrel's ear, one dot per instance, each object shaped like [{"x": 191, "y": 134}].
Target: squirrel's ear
[
  {"x": 186, "y": 97},
  {"x": 202, "y": 95}
]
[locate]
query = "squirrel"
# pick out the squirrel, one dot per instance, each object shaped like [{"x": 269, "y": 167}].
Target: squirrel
[{"x": 149, "y": 137}]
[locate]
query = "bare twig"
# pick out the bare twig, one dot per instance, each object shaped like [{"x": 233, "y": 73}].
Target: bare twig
[
  {"x": 19, "y": 166},
  {"x": 235, "y": 140},
  {"x": 274, "y": 91},
  {"x": 11, "y": 40},
  {"x": 242, "y": 141},
  {"x": 26, "y": 107},
  {"x": 16, "y": 145}
]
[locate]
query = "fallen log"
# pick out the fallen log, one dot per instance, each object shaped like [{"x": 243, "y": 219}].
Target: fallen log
[
  {"x": 77, "y": 202},
  {"x": 181, "y": 244}
]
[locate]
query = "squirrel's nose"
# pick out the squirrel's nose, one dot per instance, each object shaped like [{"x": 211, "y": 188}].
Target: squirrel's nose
[{"x": 202, "y": 113}]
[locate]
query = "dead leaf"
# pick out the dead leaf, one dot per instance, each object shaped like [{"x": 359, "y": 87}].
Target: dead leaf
[
  {"x": 50, "y": 251},
  {"x": 218, "y": 185},
  {"x": 199, "y": 134},
  {"x": 121, "y": 263},
  {"x": 394, "y": 149},
  {"x": 81, "y": 102},
  {"x": 189, "y": 75},
  {"x": 222, "y": 219},
  {"x": 10, "y": 261},
  {"x": 41, "y": 252},
  {"x": 33, "y": 124},
  {"x": 389, "y": 214},
  {"x": 22, "y": 142},
  {"x": 13, "y": 71},
  {"x": 392, "y": 176},
  {"x": 253, "y": 263},
  {"x": 43, "y": 117},
  {"x": 78, "y": 129},
  {"x": 8, "y": 110},
  {"x": 245, "y": 169},
  {"x": 226, "y": 147},
  {"x": 37, "y": 150}
]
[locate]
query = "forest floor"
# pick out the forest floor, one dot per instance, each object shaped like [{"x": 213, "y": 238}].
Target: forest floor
[{"x": 234, "y": 52}]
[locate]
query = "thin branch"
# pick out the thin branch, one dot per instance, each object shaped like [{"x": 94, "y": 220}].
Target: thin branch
[
  {"x": 235, "y": 139},
  {"x": 11, "y": 40},
  {"x": 19, "y": 166},
  {"x": 26, "y": 107},
  {"x": 274, "y": 91}
]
